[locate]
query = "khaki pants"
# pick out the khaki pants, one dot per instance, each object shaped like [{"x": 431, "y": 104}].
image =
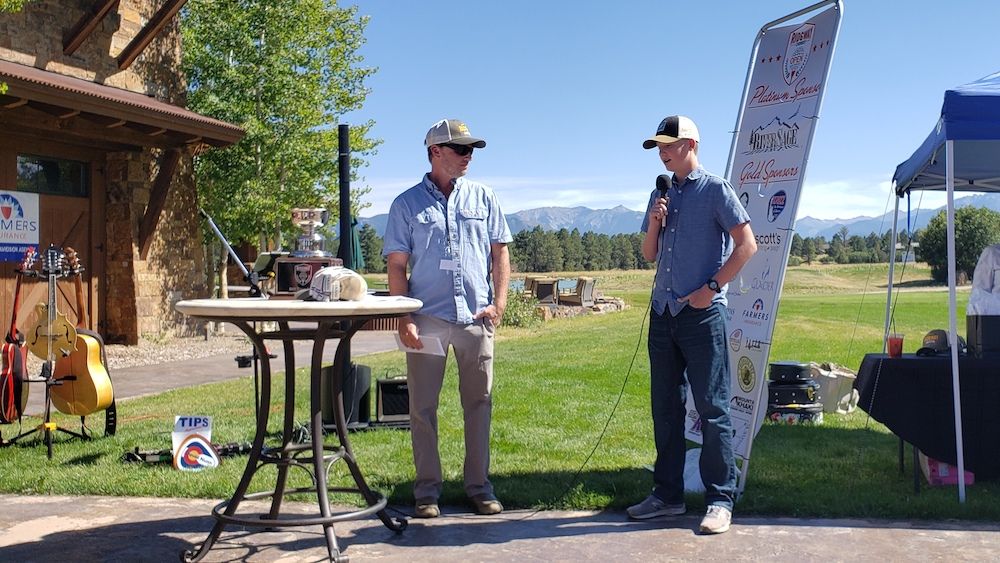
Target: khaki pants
[{"x": 473, "y": 345}]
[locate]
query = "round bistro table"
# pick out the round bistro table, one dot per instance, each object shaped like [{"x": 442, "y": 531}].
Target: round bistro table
[{"x": 324, "y": 320}]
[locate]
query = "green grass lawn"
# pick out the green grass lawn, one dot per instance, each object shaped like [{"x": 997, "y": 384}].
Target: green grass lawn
[{"x": 556, "y": 387}]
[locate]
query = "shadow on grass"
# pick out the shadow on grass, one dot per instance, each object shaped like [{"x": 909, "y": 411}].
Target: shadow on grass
[
  {"x": 916, "y": 284},
  {"x": 795, "y": 471}
]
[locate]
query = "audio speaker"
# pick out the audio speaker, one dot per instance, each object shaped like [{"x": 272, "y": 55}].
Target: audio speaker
[
  {"x": 356, "y": 388},
  {"x": 392, "y": 400}
]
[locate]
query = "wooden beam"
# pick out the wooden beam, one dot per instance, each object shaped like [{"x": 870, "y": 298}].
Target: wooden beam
[
  {"x": 146, "y": 35},
  {"x": 58, "y": 112},
  {"x": 11, "y": 102},
  {"x": 183, "y": 138},
  {"x": 84, "y": 130},
  {"x": 157, "y": 199},
  {"x": 87, "y": 24},
  {"x": 105, "y": 121},
  {"x": 150, "y": 130}
]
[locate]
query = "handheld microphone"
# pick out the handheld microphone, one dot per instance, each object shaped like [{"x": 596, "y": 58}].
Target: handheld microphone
[{"x": 662, "y": 184}]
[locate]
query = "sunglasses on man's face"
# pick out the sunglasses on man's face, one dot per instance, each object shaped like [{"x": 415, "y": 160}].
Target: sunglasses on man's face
[{"x": 460, "y": 150}]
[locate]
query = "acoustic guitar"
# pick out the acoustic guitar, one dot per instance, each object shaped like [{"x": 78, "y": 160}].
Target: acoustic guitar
[
  {"x": 14, "y": 374},
  {"x": 83, "y": 383}
]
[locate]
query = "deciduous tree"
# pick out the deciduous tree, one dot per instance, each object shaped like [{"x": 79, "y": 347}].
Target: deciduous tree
[
  {"x": 975, "y": 229},
  {"x": 286, "y": 71}
]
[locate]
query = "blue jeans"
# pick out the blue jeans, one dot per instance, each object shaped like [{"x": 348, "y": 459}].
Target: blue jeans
[{"x": 694, "y": 341}]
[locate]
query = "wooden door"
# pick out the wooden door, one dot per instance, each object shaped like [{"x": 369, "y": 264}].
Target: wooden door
[{"x": 74, "y": 220}]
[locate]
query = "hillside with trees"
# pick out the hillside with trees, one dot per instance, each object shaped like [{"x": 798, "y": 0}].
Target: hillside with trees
[{"x": 539, "y": 250}]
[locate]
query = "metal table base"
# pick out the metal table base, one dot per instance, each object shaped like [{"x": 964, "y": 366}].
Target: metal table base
[{"x": 315, "y": 457}]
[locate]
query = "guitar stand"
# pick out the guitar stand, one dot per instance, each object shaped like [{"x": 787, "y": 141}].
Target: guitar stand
[
  {"x": 55, "y": 266},
  {"x": 47, "y": 428}
]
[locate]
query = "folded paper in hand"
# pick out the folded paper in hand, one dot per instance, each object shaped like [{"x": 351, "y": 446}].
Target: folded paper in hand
[{"x": 432, "y": 346}]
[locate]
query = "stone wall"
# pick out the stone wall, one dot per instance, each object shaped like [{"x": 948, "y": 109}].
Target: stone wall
[{"x": 138, "y": 294}]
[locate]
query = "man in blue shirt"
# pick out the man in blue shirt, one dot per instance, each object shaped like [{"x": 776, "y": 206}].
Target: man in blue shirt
[
  {"x": 700, "y": 247},
  {"x": 453, "y": 236}
]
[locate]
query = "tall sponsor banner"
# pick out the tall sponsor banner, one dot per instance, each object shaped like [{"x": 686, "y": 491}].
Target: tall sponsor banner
[
  {"x": 780, "y": 112},
  {"x": 18, "y": 224}
]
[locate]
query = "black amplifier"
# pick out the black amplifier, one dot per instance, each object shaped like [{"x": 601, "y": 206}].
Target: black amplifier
[
  {"x": 392, "y": 400},
  {"x": 803, "y": 392},
  {"x": 789, "y": 371}
]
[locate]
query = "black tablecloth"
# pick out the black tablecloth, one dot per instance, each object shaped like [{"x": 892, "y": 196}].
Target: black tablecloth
[{"x": 912, "y": 396}]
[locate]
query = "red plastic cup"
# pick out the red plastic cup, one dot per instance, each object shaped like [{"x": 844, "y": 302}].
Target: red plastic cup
[{"x": 895, "y": 345}]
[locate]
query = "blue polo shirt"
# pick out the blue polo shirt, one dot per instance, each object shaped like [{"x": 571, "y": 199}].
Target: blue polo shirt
[
  {"x": 448, "y": 241},
  {"x": 696, "y": 241}
]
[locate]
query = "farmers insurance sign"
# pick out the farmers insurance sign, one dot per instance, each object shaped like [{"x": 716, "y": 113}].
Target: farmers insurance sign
[
  {"x": 779, "y": 114},
  {"x": 18, "y": 224}
]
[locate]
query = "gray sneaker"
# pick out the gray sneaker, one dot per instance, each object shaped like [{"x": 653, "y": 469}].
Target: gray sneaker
[
  {"x": 653, "y": 507},
  {"x": 716, "y": 520}
]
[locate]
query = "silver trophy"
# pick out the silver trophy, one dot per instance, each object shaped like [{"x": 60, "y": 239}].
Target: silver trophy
[{"x": 309, "y": 243}]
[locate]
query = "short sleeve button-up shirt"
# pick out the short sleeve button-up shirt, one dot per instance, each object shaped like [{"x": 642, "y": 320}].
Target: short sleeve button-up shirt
[
  {"x": 696, "y": 241},
  {"x": 448, "y": 242}
]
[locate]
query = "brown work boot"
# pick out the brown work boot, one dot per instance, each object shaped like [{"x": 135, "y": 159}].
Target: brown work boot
[
  {"x": 486, "y": 504},
  {"x": 426, "y": 508}
]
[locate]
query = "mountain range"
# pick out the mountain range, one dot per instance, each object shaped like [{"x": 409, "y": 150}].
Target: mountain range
[{"x": 621, "y": 219}]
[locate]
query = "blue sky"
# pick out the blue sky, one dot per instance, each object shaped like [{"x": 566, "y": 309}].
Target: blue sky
[{"x": 565, "y": 92}]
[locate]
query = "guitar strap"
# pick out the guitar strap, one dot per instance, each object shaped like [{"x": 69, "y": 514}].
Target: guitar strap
[{"x": 11, "y": 381}]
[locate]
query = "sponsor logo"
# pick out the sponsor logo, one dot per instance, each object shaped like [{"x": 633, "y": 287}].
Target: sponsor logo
[
  {"x": 767, "y": 171},
  {"x": 735, "y": 339},
  {"x": 754, "y": 344},
  {"x": 776, "y": 205},
  {"x": 776, "y": 135},
  {"x": 763, "y": 282},
  {"x": 196, "y": 453},
  {"x": 730, "y": 313},
  {"x": 746, "y": 374},
  {"x": 741, "y": 404},
  {"x": 695, "y": 425},
  {"x": 12, "y": 219},
  {"x": 745, "y": 199},
  {"x": 756, "y": 315},
  {"x": 768, "y": 241},
  {"x": 797, "y": 52}
]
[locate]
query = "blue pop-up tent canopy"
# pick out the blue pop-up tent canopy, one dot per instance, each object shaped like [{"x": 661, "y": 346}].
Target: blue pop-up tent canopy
[
  {"x": 970, "y": 117},
  {"x": 962, "y": 153}
]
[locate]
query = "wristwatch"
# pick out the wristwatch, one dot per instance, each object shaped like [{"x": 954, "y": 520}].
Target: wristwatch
[{"x": 714, "y": 286}]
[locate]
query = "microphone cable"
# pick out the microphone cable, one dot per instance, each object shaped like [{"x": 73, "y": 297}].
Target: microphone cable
[
  {"x": 607, "y": 424},
  {"x": 621, "y": 393}
]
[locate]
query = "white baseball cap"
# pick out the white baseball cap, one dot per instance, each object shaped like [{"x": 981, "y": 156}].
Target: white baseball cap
[{"x": 335, "y": 283}]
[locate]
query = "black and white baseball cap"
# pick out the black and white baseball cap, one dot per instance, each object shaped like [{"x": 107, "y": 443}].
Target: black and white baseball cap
[{"x": 672, "y": 129}]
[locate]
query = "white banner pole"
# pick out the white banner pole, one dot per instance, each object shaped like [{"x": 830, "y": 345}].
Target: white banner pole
[{"x": 782, "y": 97}]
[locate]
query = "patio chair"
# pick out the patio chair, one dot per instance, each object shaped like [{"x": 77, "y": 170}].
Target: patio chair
[
  {"x": 583, "y": 296},
  {"x": 545, "y": 290},
  {"x": 529, "y": 285}
]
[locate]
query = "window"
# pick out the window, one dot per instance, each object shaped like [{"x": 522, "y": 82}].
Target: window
[{"x": 53, "y": 176}]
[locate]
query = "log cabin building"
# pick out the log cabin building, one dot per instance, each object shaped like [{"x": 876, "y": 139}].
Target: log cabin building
[{"x": 93, "y": 121}]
